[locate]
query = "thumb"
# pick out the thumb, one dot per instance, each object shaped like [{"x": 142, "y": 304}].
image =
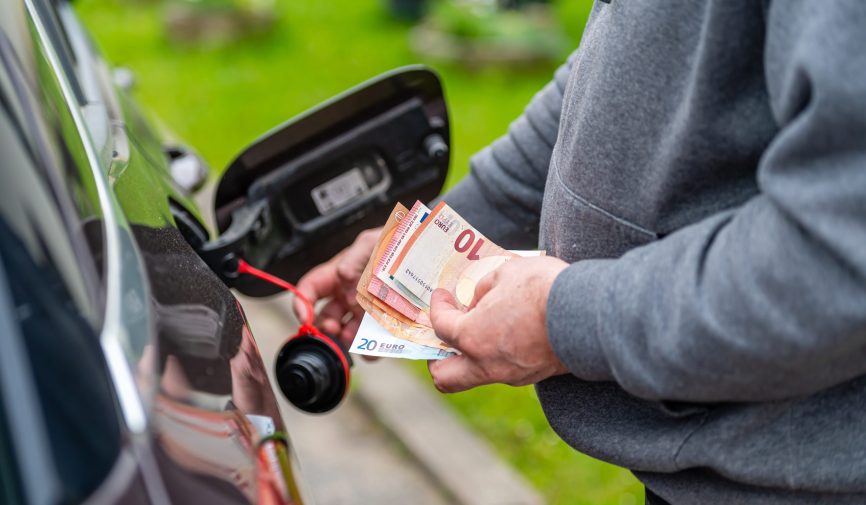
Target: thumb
[
  {"x": 455, "y": 374},
  {"x": 445, "y": 316}
]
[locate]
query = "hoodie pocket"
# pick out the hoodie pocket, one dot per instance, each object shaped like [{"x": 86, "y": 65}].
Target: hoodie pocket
[{"x": 574, "y": 229}]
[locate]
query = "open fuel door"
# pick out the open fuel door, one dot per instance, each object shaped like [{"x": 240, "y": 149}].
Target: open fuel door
[{"x": 303, "y": 191}]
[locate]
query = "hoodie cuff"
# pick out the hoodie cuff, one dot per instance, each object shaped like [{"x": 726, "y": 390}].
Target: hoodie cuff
[{"x": 578, "y": 308}]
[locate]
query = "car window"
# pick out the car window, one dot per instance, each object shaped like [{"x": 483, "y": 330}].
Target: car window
[
  {"x": 67, "y": 366},
  {"x": 60, "y": 162},
  {"x": 47, "y": 206},
  {"x": 8, "y": 480},
  {"x": 60, "y": 41}
]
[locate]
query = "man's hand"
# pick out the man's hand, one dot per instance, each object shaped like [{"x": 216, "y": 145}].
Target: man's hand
[
  {"x": 503, "y": 334},
  {"x": 337, "y": 279}
]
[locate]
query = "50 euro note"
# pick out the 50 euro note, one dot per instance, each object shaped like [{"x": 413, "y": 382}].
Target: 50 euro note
[{"x": 445, "y": 252}]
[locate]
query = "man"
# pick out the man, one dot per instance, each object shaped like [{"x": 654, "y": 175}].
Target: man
[{"x": 697, "y": 175}]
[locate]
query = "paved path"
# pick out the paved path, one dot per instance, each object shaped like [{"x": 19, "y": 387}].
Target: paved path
[{"x": 346, "y": 457}]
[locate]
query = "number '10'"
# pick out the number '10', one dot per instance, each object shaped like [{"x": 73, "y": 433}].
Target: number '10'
[{"x": 465, "y": 241}]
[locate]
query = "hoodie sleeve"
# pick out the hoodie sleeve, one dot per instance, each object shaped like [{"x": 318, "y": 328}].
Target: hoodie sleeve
[
  {"x": 503, "y": 192},
  {"x": 765, "y": 301}
]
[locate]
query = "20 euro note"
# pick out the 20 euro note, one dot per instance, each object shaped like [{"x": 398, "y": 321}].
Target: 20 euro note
[
  {"x": 398, "y": 325},
  {"x": 374, "y": 340},
  {"x": 446, "y": 252}
]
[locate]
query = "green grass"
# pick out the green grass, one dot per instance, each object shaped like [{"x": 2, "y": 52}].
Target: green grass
[
  {"x": 220, "y": 99},
  {"x": 512, "y": 420}
]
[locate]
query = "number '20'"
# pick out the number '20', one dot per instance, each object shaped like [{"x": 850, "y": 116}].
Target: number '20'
[
  {"x": 466, "y": 241},
  {"x": 367, "y": 344}
]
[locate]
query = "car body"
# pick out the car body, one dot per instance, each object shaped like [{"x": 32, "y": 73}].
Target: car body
[{"x": 128, "y": 372}]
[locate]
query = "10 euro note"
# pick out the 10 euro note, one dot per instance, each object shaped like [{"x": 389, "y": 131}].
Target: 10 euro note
[
  {"x": 446, "y": 252},
  {"x": 392, "y": 225},
  {"x": 382, "y": 285},
  {"x": 369, "y": 286},
  {"x": 383, "y": 311}
]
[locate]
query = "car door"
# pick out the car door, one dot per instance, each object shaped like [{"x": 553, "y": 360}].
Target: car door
[
  {"x": 63, "y": 436},
  {"x": 194, "y": 409}
]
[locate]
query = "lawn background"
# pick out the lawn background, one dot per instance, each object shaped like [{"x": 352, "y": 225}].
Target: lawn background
[{"x": 219, "y": 99}]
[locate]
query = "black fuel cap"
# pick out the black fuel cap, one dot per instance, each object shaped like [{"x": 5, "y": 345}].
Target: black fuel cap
[{"x": 311, "y": 374}]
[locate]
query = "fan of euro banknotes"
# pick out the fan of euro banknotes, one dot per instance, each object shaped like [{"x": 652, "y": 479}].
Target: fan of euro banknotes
[{"x": 418, "y": 251}]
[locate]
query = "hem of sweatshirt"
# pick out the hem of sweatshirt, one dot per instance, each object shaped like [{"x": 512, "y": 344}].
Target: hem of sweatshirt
[{"x": 577, "y": 309}]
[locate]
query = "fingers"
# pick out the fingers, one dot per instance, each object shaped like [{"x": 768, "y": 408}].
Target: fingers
[
  {"x": 330, "y": 326},
  {"x": 445, "y": 317},
  {"x": 338, "y": 277},
  {"x": 318, "y": 283},
  {"x": 350, "y": 300},
  {"x": 336, "y": 314},
  {"x": 455, "y": 374},
  {"x": 349, "y": 330},
  {"x": 355, "y": 258},
  {"x": 351, "y": 267},
  {"x": 330, "y": 318}
]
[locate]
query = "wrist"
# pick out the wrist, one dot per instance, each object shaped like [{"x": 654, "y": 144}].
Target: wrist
[
  {"x": 579, "y": 305},
  {"x": 553, "y": 269}
]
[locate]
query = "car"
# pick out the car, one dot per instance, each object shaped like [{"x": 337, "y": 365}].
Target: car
[{"x": 128, "y": 371}]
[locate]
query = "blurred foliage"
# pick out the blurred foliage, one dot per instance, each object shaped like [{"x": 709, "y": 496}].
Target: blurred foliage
[
  {"x": 482, "y": 20},
  {"x": 217, "y": 22},
  {"x": 477, "y": 19},
  {"x": 220, "y": 98},
  {"x": 480, "y": 32},
  {"x": 226, "y": 4}
]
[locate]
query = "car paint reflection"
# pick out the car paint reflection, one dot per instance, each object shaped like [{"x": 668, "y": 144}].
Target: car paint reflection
[{"x": 215, "y": 413}]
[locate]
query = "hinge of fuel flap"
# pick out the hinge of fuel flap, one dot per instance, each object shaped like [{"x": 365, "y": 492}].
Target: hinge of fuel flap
[{"x": 222, "y": 254}]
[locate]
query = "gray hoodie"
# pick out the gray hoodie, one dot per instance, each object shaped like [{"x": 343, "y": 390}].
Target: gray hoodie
[{"x": 702, "y": 166}]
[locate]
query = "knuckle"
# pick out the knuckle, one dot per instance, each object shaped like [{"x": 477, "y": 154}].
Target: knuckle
[
  {"x": 506, "y": 347},
  {"x": 367, "y": 236},
  {"x": 491, "y": 374},
  {"x": 346, "y": 271},
  {"x": 496, "y": 370},
  {"x": 461, "y": 338}
]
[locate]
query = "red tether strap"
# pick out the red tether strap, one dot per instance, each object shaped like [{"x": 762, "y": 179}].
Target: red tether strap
[{"x": 246, "y": 268}]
